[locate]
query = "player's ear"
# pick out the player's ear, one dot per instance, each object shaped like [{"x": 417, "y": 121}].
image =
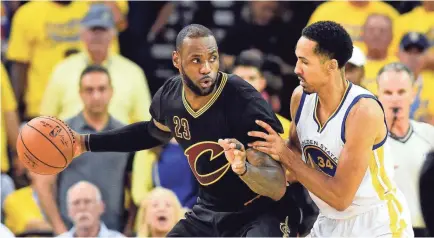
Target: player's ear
[
  {"x": 332, "y": 65},
  {"x": 176, "y": 59}
]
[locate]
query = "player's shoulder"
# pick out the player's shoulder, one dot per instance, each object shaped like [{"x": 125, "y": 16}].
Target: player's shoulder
[
  {"x": 170, "y": 86},
  {"x": 296, "y": 98}
]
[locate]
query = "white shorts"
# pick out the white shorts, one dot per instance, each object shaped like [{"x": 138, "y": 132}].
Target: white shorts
[{"x": 373, "y": 223}]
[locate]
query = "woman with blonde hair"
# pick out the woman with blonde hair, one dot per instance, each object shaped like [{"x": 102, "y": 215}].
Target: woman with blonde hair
[{"x": 158, "y": 213}]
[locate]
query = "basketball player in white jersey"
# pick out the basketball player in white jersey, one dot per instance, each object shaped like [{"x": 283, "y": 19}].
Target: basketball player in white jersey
[
  {"x": 336, "y": 143},
  {"x": 409, "y": 141}
]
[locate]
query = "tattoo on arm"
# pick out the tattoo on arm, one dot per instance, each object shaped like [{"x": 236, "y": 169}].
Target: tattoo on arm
[{"x": 264, "y": 175}]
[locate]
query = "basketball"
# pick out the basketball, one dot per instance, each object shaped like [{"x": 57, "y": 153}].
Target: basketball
[{"x": 45, "y": 145}]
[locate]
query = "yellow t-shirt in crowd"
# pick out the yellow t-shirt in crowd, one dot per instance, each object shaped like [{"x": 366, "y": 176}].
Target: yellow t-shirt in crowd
[
  {"x": 131, "y": 96},
  {"x": 286, "y": 124},
  {"x": 8, "y": 103},
  {"x": 422, "y": 108},
  {"x": 417, "y": 20},
  {"x": 350, "y": 17},
  {"x": 41, "y": 33},
  {"x": 371, "y": 70},
  {"x": 20, "y": 208}
]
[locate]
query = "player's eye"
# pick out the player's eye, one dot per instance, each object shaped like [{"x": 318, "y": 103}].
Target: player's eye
[
  {"x": 196, "y": 60},
  {"x": 213, "y": 58}
]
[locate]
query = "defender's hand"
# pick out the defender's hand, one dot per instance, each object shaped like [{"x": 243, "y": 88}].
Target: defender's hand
[
  {"x": 273, "y": 145},
  {"x": 235, "y": 154}
]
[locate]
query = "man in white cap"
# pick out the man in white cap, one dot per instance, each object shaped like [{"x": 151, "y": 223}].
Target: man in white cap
[{"x": 355, "y": 67}]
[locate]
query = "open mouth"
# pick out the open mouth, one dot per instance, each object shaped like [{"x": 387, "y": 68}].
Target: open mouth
[{"x": 205, "y": 83}]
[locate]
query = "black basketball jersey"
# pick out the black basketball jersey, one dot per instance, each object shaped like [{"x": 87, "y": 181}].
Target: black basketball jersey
[{"x": 230, "y": 113}]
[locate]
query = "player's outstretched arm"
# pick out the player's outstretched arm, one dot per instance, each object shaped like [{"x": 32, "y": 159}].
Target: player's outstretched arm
[
  {"x": 261, "y": 173},
  {"x": 135, "y": 137}
]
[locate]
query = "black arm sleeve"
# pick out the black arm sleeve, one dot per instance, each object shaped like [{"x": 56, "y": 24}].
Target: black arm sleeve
[{"x": 134, "y": 137}]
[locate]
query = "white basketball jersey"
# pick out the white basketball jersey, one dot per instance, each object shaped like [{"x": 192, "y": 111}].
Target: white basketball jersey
[
  {"x": 321, "y": 149},
  {"x": 409, "y": 154}
]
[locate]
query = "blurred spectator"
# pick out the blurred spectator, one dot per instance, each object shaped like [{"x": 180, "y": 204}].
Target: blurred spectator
[
  {"x": 261, "y": 27},
  {"x": 158, "y": 213},
  {"x": 96, "y": 92},
  {"x": 407, "y": 138},
  {"x": 427, "y": 193},
  {"x": 22, "y": 210},
  {"x": 352, "y": 15},
  {"x": 37, "y": 43},
  {"x": 412, "y": 47},
  {"x": 5, "y": 232},
  {"x": 355, "y": 67},
  {"x": 420, "y": 19},
  {"x": 131, "y": 98},
  {"x": 377, "y": 35},
  {"x": 9, "y": 125},
  {"x": 85, "y": 207},
  {"x": 181, "y": 181},
  {"x": 7, "y": 187},
  {"x": 249, "y": 67},
  {"x": 119, "y": 10}
]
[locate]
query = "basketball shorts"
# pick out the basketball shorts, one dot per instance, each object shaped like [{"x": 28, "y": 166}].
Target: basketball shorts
[{"x": 373, "y": 223}]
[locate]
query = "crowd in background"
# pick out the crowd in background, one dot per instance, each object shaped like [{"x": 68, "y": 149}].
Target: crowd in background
[{"x": 97, "y": 64}]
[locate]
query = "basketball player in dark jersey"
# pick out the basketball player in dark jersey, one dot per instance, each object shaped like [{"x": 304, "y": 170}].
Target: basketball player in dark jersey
[{"x": 201, "y": 106}]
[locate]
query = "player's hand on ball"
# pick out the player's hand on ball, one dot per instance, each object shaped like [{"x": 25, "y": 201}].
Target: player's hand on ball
[
  {"x": 235, "y": 154},
  {"x": 273, "y": 145},
  {"x": 79, "y": 147}
]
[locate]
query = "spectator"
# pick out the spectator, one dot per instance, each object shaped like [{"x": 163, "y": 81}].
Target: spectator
[
  {"x": 181, "y": 181},
  {"x": 355, "y": 67},
  {"x": 9, "y": 125},
  {"x": 41, "y": 33},
  {"x": 249, "y": 67},
  {"x": 412, "y": 47},
  {"x": 158, "y": 213},
  {"x": 417, "y": 20},
  {"x": 427, "y": 193},
  {"x": 7, "y": 187},
  {"x": 131, "y": 98},
  {"x": 85, "y": 207},
  {"x": 377, "y": 35},
  {"x": 22, "y": 210},
  {"x": 96, "y": 92},
  {"x": 352, "y": 15},
  {"x": 409, "y": 141}
]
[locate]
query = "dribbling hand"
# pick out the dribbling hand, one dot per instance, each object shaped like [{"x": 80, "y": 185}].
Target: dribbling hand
[
  {"x": 79, "y": 147},
  {"x": 235, "y": 154}
]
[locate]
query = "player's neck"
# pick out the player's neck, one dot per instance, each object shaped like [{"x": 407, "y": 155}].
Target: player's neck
[
  {"x": 155, "y": 233},
  {"x": 329, "y": 102},
  {"x": 197, "y": 102},
  {"x": 374, "y": 54},
  {"x": 400, "y": 127},
  {"x": 96, "y": 121}
]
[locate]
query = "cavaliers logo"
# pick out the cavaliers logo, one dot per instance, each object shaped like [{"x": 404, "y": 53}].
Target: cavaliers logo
[
  {"x": 320, "y": 160},
  {"x": 205, "y": 153}
]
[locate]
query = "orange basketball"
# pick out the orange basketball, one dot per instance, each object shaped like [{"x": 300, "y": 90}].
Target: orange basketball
[{"x": 45, "y": 145}]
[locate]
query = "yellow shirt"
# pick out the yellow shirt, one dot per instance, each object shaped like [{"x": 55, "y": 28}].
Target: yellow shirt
[
  {"x": 8, "y": 103},
  {"x": 371, "y": 70},
  {"x": 417, "y": 20},
  {"x": 131, "y": 96},
  {"x": 350, "y": 17},
  {"x": 422, "y": 108},
  {"x": 41, "y": 33},
  {"x": 20, "y": 208},
  {"x": 286, "y": 124}
]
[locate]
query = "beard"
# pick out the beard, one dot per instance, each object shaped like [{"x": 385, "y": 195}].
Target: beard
[{"x": 194, "y": 88}]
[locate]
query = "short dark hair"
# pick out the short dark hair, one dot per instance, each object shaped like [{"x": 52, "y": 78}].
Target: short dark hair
[
  {"x": 95, "y": 68},
  {"x": 332, "y": 40},
  {"x": 192, "y": 31},
  {"x": 397, "y": 67},
  {"x": 250, "y": 58}
]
